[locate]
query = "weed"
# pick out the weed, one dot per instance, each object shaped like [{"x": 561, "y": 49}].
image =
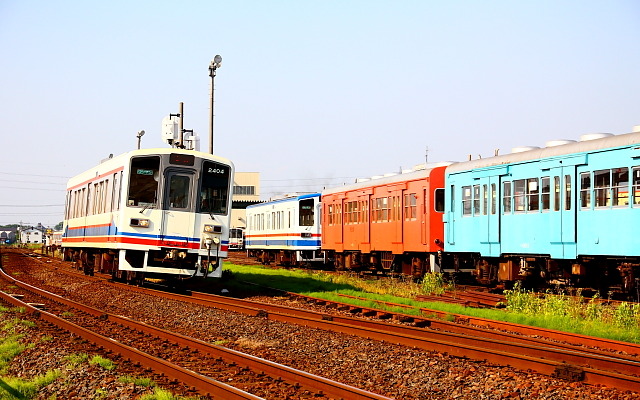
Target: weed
[
  {"x": 146, "y": 382},
  {"x": 76, "y": 359},
  {"x": 103, "y": 362},
  {"x": 160, "y": 394}
]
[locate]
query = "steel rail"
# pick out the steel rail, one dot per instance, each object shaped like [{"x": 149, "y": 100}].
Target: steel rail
[
  {"x": 203, "y": 384},
  {"x": 289, "y": 374}
]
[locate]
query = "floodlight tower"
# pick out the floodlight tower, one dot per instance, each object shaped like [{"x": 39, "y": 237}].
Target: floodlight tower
[
  {"x": 139, "y": 136},
  {"x": 215, "y": 64}
]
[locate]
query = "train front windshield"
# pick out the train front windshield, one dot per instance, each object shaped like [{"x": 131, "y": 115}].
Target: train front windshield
[{"x": 214, "y": 188}]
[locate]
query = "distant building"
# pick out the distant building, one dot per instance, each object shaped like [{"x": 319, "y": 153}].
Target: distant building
[
  {"x": 246, "y": 191},
  {"x": 7, "y": 235},
  {"x": 32, "y": 235}
]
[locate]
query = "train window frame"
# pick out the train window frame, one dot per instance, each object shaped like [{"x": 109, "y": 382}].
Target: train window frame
[
  {"x": 545, "y": 193},
  {"x": 178, "y": 191},
  {"x": 506, "y": 197},
  {"x": 556, "y": 193},
  {"x": 519, "y": 195},
  {"x": 585, "y": 190},
  {"x": 438, "y": 200},
  {"x": 533, "y": 195},
  {"x": 306, "y": 215},
  {"x": 467, "y": 200},
  {"x": 140, "y": 186},
  {"x": 485, "y": 199},
  {"x": 602, "y": 188},
  {"x": 620, "y": 185},
  {"x": 567, "y": 192},
  {"x": 494, "y": 198},
  {"x": 476, "y": 200},
  {"x": 635, "y": 184},
  {"x": 214, "y": 188}
]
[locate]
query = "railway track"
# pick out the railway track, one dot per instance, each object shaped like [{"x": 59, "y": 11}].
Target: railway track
[
  {"x": 189, "y": 360},
  {"x": 467, "y": 342}
]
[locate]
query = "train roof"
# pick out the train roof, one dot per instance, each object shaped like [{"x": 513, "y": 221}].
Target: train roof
[
  {"x": 114, "y": 162},
  {"x": 608, "y": 142},
  {"x": 419, "y": 172},
  {"x": 283, "y": 200}
]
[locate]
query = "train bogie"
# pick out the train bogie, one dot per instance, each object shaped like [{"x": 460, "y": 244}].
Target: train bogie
[{"x": 156, "y": 212}]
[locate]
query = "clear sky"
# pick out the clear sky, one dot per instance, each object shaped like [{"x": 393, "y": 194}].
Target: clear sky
[{"x": 310, "y": 93}]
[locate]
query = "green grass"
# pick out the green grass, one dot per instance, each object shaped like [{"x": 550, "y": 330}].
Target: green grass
[
  {"x": 146, "y": 382},
  {"x": 160, "y": 394},
  {"x": 552, "y": 311}
]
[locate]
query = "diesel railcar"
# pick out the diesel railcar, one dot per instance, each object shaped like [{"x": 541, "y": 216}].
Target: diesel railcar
[
  {"x": 391, "y": 224},
  {"x": 567, "y": 213},
  {"x": 286, "y": 231},
  {"x": 150, "y": 213}
]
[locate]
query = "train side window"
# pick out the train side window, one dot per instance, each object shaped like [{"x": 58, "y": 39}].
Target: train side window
[
  {"x": 466, "y": 200},
  {"x": 585, "y": 190},
  {"x": 506, "y": 197},
  {"x": 602, "y": 187},
  {"x": 533, "y": 198},
  {"x": 410, "y": 206},
  {"x": 620, "y": 186},
  {"x": 519, "y": 189},
  {"x": 556, "y": 193},
  {"x": 438, "y": 200},
  {"x": 476, "y": 199},
  {"x": 636, "y": 185},
  {"x": 143, "y": 181},
  {"x": 567, "y": 192},
  {"x": 545, "y": 192}
]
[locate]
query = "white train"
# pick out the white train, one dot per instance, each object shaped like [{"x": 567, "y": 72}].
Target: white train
[
  {"x": 286, "y": 231},
  {"x": 150, "y": 213}
]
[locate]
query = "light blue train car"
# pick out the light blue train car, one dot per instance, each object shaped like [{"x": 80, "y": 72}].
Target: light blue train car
[
  {"x": 285, "y": 231},
  {"x": 566, "y": 213}
]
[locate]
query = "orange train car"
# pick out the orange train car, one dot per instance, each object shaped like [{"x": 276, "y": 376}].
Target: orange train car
[{"x": 391, "y": 223}]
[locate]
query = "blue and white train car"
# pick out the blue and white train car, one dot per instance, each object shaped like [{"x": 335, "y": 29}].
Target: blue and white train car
[
  {"x": 150, "y": 213},
  {"x": 564, "y": 213},
  {"x": 285, "y": 231}
]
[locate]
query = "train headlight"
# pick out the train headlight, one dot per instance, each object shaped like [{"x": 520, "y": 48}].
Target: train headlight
[
  {"x": 140, "y": 222},
  {"x": 212, "y": 229}
]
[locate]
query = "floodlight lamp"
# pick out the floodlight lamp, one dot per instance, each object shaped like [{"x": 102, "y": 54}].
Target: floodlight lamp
[{"x": 141, "y": 133}]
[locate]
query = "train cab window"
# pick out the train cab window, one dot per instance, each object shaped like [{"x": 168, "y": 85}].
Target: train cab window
[
  {"x": 306, "y": 212},
  {"x": 143, "y": 181},
  {"x": 585, "y": 190},
  {"x": 438, "y": 200},
  {"x": 545, "y": 193},
  {"x": 214, "y": 188},
  {"x": 506, "y": 197}
]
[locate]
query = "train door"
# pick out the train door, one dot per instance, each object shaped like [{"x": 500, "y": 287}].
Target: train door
[
  {"x": 491, "y": 202},
  {"x": 177, "y": 211},
  {"x": 562, "y": 235}
]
